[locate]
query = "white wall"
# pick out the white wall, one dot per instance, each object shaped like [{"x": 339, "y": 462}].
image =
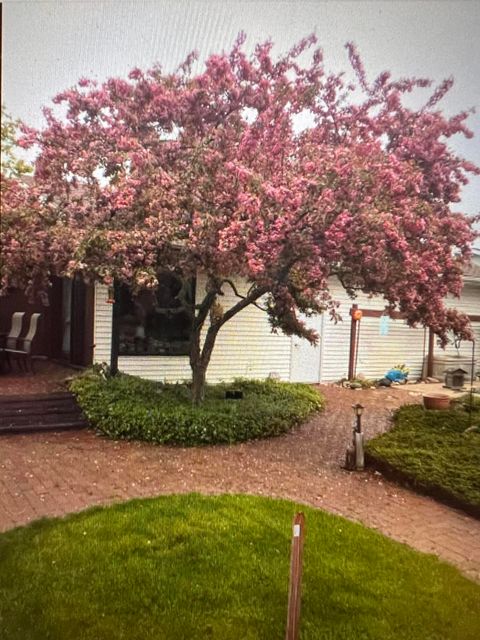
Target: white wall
[
  {"x": 245, "y": 346},
  {"x": 376, "y": 353},
  {"x": 469, "y": 302}
]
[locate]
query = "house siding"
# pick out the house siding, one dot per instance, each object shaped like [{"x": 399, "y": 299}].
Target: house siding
[
  {"x": 245, "y": 346},
  {"x": 376, "y": 353},
  {"x": 403, "y": 344},
  {"x": 469, "y": 302}
]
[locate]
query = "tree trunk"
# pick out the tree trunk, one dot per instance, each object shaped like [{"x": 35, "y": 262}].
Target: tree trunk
[
  {"x": 199, "y": 363},
  {"x": 198, "y": 384},
  {"x": 200, "y": 356}
]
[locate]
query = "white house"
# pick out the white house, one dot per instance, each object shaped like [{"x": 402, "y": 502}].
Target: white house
[{"x": 246, "y": 347}]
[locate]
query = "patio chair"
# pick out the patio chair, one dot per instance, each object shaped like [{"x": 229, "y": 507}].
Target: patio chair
[
  {"x": 10, "y": 339},
  {"x": 15, "y": 330},
  {"x": 23, "y": 355}
]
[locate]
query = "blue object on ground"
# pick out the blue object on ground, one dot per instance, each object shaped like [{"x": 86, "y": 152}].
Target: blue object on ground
[{"x": 395, "y": 375}]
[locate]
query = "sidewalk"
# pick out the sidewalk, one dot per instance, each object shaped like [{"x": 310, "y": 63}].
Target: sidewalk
[{"x": 421, "y": 389}]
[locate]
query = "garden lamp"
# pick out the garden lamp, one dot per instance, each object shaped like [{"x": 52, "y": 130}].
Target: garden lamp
[
  {"x": 358, "y": 410},
  {"x": 355, "y": 458}
]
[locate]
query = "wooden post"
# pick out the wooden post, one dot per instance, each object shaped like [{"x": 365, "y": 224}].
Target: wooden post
[
  {"x": 353, "y": 342},
  {"x": 115, "y": 344},
  {"x": 295, "y": 585},
  {"x": 431, "y": 347}
]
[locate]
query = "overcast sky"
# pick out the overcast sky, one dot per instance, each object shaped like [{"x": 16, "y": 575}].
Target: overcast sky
[{"x": 48, "y": 46}]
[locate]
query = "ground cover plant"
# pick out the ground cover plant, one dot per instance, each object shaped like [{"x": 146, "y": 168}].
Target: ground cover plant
[
  {"x": 217, "y": 567},
  {"x": 125, "y": 406},
  {"x": 432, "y": 451}
]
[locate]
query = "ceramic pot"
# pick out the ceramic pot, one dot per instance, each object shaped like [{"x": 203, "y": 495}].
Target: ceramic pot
[{"x": 436, "y": 401}]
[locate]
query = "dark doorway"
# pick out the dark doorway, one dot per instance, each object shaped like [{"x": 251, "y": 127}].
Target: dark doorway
[
  {"x": 65, "y": 331},
  {"x": 73, "y": 327}
]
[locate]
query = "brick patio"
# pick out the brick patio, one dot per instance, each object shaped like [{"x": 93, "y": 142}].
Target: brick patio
[{"x": 54, "y": 474}]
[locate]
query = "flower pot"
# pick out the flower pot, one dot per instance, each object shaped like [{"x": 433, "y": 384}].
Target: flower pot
[{"x": 436, "y": 401}]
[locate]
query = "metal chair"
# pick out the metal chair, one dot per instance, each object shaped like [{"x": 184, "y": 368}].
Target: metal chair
[{"x": 24, "y": 354}]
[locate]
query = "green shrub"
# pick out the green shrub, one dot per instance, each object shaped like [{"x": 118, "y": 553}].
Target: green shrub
[
  {"x": 125, "y": 406},
  {"x": 433, "y": 450}
]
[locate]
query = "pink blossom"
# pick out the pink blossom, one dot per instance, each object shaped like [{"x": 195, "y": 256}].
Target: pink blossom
[{"x": 164, "y": 171}]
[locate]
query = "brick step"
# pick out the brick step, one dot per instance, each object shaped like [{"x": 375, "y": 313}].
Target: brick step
[
  {"x": 44, "y": 408},
  {"x": 35, "y": 428},
  {"x": 52, "y": 418},
  {"x": 35, "y": 397},
  {"x": 40, "y": 412}
]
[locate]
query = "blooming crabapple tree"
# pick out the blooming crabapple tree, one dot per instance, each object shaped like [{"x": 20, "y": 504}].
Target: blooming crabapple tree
[
  {"x": 212, "y": 173},
  {"x": 21, "y": 251}
]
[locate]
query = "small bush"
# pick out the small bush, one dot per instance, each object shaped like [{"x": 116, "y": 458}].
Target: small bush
[{"x": 129, "y": 407}]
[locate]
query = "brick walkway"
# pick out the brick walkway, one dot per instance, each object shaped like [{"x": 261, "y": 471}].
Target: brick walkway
[{"x": 54, "y": 474}]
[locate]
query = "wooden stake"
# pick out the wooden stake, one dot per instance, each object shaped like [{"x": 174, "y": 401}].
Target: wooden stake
[{"x": 295, "y": 585}]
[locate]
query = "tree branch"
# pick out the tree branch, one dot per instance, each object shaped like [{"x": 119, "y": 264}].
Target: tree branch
[
  {"x": 244, "y": 302},
  {"x": 239, "y": 295}
]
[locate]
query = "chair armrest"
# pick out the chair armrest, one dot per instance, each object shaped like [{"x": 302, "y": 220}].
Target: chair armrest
[{"x": 16, "y": 352}]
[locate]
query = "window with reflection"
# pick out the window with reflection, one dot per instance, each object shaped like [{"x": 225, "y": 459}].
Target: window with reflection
[{"x": 157, "y": 322}]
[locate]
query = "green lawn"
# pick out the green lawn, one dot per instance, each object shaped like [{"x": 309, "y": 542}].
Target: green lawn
[
  {"x": 126, "y": 406},
  {"x": 430, "y": 449},
  {"x": 192, "y": 567}
]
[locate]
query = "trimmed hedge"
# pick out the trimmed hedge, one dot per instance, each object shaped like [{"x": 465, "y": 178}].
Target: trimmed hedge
[
  {"x": 128, "y": 407},
  {"x": 431, "y": 451}
]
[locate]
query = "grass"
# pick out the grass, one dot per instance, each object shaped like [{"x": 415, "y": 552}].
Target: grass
[
  {"x": 129, "y": 407},
  {"x": 430, "y": 449},
  {"x": 193, "y": 567}
]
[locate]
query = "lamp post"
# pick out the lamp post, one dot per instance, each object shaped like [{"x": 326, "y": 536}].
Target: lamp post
[
  {"x": 355, "y": 458},
  {"x": 358, "y": 410},
  {"x": 358, "y": 437}
]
